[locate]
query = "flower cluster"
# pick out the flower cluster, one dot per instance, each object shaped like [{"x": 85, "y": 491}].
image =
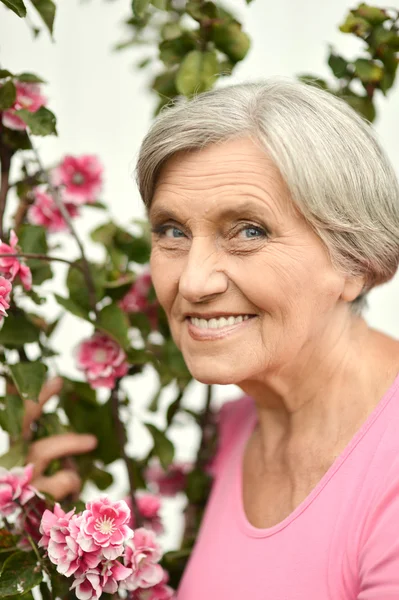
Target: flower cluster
[
  {"x": 90, "y": 547},
  {"x": 102, "y": 360},
  {"x": 15, "y": 489},
  {"x": 137, "y": 299},
  {"x": 78, "y": 180},
  {"x": 10, "y": 266},
  {"x": 28, "y": 97},
  {"x": 169, "y": 482},
  {"x": 148, "y": 506}
]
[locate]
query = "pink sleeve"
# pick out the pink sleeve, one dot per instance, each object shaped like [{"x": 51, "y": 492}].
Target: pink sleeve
[{"x": 379, "y": 553}]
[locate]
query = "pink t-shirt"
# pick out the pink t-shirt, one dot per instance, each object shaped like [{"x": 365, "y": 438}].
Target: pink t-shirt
[{"x": 340, "y": 543}]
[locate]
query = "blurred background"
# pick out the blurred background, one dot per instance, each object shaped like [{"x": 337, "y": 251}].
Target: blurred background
[{"x": 104, "y": 107}]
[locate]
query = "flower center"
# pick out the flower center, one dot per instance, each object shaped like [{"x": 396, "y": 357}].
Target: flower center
[
  {"x": 78, "y": 178},
  {"x": 100, "y": 355},
  {"x": 105, "y": 525}
]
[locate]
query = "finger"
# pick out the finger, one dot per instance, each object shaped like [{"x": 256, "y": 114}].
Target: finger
[
  {"x": 42, "y": 452},
  {"x": 61, "y": 484},
  {"x": 33, "y": 410}
]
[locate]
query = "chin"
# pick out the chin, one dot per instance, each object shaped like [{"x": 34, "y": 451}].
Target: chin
[{"x": 212, "y": 374}]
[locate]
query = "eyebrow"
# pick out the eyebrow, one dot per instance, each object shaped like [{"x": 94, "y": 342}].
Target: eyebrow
[{"x": 159, "y": 212}]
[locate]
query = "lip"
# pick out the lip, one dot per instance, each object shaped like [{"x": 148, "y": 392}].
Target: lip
[{"x": 202, "y": 335}]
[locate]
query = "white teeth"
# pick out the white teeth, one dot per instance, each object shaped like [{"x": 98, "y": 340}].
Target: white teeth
[{"x": 217, "y": 323}]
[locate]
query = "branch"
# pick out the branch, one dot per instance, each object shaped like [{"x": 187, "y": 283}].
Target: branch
[
  {"x": 57, "y": 199},
  {"x": 5, "y": 159},
  {"x": 122, "y": 440},
  {"x": 45, "y": 257}
]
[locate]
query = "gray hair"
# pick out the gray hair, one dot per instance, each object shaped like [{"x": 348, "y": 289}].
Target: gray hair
[{"x": 336, "y": 172}]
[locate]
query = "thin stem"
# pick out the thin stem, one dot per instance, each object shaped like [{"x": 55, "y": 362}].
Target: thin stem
[
  {"x": 122, "y": 440},
  {"x": 45, "y": 257},
  {"x": 57, "y": 199},
  {"x": 201, "y": 456},
  {"x": 5, "y": 160}
]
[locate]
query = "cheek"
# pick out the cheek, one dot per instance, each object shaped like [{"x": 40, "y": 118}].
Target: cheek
[{"x": 164, "y": 279}]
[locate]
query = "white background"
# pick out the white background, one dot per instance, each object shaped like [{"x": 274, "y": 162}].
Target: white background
[{"x": 103, "y": 107}]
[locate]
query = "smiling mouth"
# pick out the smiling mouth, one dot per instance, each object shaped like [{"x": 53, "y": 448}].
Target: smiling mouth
[{"x": 219, "y": 322}]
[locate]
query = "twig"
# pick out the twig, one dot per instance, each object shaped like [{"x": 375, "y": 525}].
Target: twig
[
  {"x": 45, "y": 257},
  {"x": 122, "y": 440},
  {"x": 203, "y": 424},
  {"x": 57, "y": 199},
  {"x": 5, "y": 160}
]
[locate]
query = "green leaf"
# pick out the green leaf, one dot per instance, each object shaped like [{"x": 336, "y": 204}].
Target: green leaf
[
  {"x": 140, "y": 7},
  {"x": 160, "y": 4},
  {"x": 104, "y": 234},
  {"x": 7, "y": 539},
  {"x": 368, "y": 71},
  {"x": 356, "y": 25},
  {"x": 86, "y": 415},
  {"x": 13, "y": 414},
  {"x": 163, "y": 447},
  {"x": 201, "y": 11},
  {"x": 172, "y": 52},
  {"x": 8, "y": 94},
  {"x": 231, "y": 40},
  {"x": 17, "y": 6},
  {"x": 197, "y": 73},
  {"x": 171, "y": 31},
  {"x": 5, "y": 73},
  {"x": 15, "y": 457},
  {"x": 29, "y": 78},
  {"x": 113, "y": 321},
  {"x": 17, "y": 330},
  {"x": 72, "y": 307},
  {"x": 313, "y": 80},
  {"x": 136, "y": 248},
  {"x": 372, "y": 14},
  {"x": 41, "y": 122},
  {"x": 46, "y": 9},
  {"x": 102, "y": 479},
  {"x": 362, "y": 104},
  {"x": 29, "y": 378},
  {"x": 20, "y": 573},
  {"x": 338, "y": 65},
  {"x": 78, "y": 289},
  {"x": 164, "y": 85}
]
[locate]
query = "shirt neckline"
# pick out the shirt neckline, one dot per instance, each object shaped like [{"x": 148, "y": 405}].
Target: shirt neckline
[{"x": 257, "y": 532}]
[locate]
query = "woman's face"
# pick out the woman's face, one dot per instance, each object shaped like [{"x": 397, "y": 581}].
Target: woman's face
[{"x": 245, "y": 282}]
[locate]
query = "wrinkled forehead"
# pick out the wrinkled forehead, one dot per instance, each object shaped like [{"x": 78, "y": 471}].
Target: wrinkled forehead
[{"x": 220, "y": 173}]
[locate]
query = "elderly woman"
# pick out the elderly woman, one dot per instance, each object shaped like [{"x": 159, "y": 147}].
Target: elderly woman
[{"x": 274, "y": 211}]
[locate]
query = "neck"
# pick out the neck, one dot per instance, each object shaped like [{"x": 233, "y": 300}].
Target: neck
[{"x": 331, "y": 385}]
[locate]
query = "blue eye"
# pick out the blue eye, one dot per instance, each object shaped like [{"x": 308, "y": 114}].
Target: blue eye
[
  {"x": 252, "y": 232},
  {"x": 172, "y": 232}
]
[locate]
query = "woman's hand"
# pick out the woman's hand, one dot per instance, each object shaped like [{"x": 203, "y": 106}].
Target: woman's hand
[{"x": 42, "y": 452}]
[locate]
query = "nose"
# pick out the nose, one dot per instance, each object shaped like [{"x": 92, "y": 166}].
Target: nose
[{"x": 203, "y": 276}]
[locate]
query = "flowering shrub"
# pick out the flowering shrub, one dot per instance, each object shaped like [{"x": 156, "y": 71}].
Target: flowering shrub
[{"x": 71, "y": 549}]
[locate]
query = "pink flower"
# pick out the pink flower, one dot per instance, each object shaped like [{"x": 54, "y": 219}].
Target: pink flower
[
  {"x": 161, "y": 591},
  {"x": 148, "y": 505},
  {"x": 11, "y": 267},
  {"x": 81, "y": 178},
  {"x": 28, "y": 522},
  {"x": 28, "y": 97},
  {"x": 15, "y": 488},
  {"x": 105, "y": 525},
  {"x": 142, "y": 555},
  {"x": 136, "y": 299},
  {"x": 87, "y": 585},
  {"x": 170, "y": 482},
  {"x": 5, "y": 290},
  {"x": 92, "y": 583},
  {"x": 60, "y": 532},
  {"x": 46, "y": 213},
  {"x": 102, "y": 360}
]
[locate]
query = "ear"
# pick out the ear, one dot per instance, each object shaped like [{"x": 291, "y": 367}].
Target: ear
[{"x": 353, "y": 287}]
